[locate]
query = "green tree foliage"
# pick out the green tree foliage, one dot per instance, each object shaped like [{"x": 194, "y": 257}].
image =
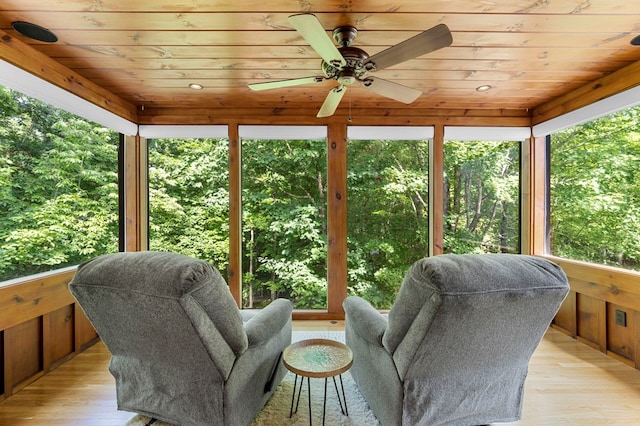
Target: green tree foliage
[
  {"x": 284, "y": 221},
  {"x": 481, "y": 197},
  {"x": 388, "y": 215},
  {"x": 58, "y": 187},
  {"x": 595, "y": 190},
  {"x": 189, "y": 198},
  {"x": 59, "y": 201}
]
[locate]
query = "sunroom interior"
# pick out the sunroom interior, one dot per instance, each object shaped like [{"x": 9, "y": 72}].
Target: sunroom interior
[{"x": 515, "y": 71}]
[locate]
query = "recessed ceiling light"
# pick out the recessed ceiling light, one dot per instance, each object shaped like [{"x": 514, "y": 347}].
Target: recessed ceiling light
[
  {"x": 195, "y": 86},
  {"x": 484, "y": 88},
  {"x": 34, "y": 31},
  {"x": 635, "y": 41}
]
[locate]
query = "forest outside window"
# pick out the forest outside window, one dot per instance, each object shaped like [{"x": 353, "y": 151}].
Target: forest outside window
[
  {"x": 58, "y": 187},
  {"x": 284, "y": 217},
  {"x": 482, "y": 189},
  {"x": 388, "y": 210},
  {"x": 189, "y": 198},
  {"x": 595, "y": 190}
]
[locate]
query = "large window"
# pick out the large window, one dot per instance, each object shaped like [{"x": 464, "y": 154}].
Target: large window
[
  {"x": 595, "y": 191},
  {"x": 481, "y": 197},
  {"x": 189, "y": 198},
  {"x": 58, "y": 187},
  {"x": 388, "y": 214},
  {"x": 284, "y": 228}
]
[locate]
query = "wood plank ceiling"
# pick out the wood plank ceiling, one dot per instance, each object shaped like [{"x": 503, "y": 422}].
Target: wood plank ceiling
[{"x": 148, "y": 52}]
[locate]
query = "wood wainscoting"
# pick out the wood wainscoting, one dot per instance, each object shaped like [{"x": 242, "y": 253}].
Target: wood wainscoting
[
  {"x": 41, "y": 327},
  {"x": 603, "y": 309}
]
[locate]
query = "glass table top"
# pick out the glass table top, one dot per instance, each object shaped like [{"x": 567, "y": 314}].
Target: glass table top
[{"x": 317, "y": 358}]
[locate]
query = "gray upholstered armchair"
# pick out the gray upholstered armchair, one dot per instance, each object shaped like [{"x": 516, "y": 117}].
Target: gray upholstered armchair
[
  {"x": 180, "y": 350},
  {"x": 455, "y": 346}
]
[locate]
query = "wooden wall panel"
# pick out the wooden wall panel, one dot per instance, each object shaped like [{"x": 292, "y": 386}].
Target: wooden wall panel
[
  {"x": 2, "y": 369},
  {"x": 591, "y": 316},
  {"x": 621, "y": 337},
  {"x": 85, "y": 334},
  {"x": 566, "y": 316},
  {"x": 589, "y": 312},
  {"x": 61, "y": 334},
  {"x": 24, "y": 353},
  {"x": 636, "y": 338},
  {"x": 40, "y": 328}
]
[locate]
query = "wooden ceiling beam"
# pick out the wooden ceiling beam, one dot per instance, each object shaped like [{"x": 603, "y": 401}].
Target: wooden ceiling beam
[
  {"x": 30, "y": 60},
  {"x": 114, "y": 39},
  {"x": 437, "y": 6},
  {"x": 619, "y": 81},
  {"x": 278, "y": 21},
  {"x": 359, "y": 116}
]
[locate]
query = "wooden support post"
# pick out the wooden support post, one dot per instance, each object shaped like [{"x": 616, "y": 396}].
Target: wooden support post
[
  {"x": 537, "y": 208},
  {"x": 234, "y": 272},
  {"x": 135, "y": 190},
  {"x": 337, "y": 217},
  {"x": 436, "y": 191}
]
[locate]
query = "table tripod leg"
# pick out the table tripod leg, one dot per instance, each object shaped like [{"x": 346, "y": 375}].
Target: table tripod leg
[
  {"x": 324, "y": 404},
  {"x": 293, "y": 396},
  {"x": 344, "y": 396},
  {"x": 299, "y": 393},
  {"x": 309, "y": 392},
  {"x": 335, "y": 385}
]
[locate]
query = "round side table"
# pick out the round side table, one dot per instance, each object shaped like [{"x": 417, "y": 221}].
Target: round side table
[{"x": 318, "y": 358}]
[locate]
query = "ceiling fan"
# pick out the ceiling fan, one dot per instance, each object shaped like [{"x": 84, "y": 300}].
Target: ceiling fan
[{"x": 347, "y": 64}]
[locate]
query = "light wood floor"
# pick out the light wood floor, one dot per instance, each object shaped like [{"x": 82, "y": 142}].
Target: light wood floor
[{"x": 569, "y": 383}]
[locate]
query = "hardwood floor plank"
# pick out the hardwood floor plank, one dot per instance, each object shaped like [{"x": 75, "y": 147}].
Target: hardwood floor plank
[{"x": 569, "y": 383}]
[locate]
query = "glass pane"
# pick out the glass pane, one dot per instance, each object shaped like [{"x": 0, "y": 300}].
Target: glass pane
[
  {"x": 284, "y": 206},
  {"x": 481, "y": 197},
  {"x": 189, "y": 198},
  {"x": 388, "y": 215},
  {"x": 595, "y": 191},
  {"x": 58, "y": 187}
]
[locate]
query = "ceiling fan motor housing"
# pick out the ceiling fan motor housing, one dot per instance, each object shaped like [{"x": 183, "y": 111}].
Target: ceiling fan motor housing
[
  {"x": 345, "y": 35},
  {"x": 352, "y": 71}
]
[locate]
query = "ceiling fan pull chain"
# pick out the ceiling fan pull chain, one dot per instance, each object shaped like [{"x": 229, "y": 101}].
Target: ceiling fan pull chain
[{"x": 350, "y": 118}]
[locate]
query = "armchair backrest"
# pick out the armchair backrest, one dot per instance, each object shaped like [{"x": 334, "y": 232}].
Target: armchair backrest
[
  {"x": 165, "y": 313},
  {"x": 473, "y": 320}
]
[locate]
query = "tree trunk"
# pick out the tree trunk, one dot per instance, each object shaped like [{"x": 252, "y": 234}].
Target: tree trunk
[
  {"x": 251, "y": 256},
  {"x": 478, "y": 208}
]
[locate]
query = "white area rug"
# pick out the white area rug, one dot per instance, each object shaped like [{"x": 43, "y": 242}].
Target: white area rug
[{"x": 276, "y": 411}]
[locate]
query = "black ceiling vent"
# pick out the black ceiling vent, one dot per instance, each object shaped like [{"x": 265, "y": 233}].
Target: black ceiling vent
[{"x": 34, "y": 31}]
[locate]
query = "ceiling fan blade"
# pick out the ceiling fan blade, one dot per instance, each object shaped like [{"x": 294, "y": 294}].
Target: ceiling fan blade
[
  {"x": 332, "y": 101},
  {"x": 309, "y": 27},
  {"x": 391, "y": 90},
  {"x": 421, "y": 44},
  {"x": 285, "y": 83}
]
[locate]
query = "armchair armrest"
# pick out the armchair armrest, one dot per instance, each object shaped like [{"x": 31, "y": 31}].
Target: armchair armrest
[
  {"x": 365, "y": 320},
  {"x": 268, "y": 322}
]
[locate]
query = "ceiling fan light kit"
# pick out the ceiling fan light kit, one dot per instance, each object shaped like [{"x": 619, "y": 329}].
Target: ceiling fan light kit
[{"x": 348, "y": 64}]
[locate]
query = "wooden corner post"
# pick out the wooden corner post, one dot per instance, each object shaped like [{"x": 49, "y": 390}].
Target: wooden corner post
[
  {"x": 336, "y": 217},
  {"x": 234, "y": 271}
]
